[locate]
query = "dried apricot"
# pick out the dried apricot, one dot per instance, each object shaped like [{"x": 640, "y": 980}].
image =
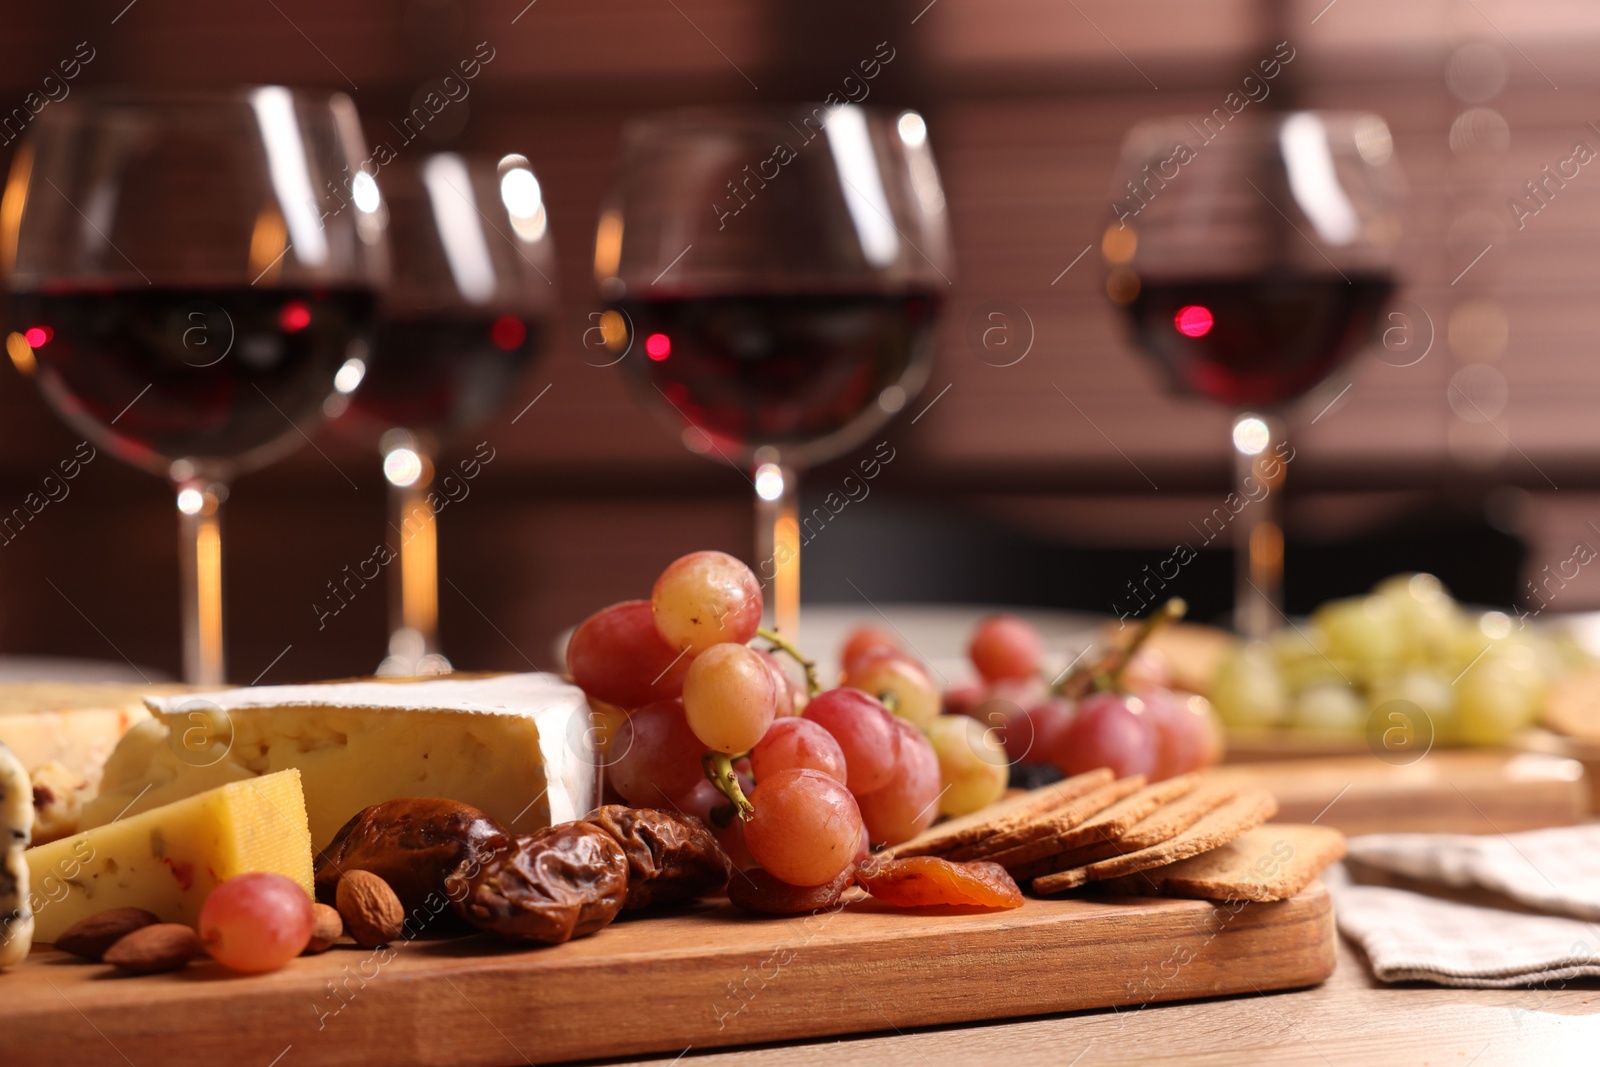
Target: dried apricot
[{"x": 923, "y": 880}]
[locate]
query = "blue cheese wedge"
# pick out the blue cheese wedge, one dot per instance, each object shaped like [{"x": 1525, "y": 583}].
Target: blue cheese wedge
[
  {"x": 16, "y": 824},
  {"x": 514, "y": 746}
]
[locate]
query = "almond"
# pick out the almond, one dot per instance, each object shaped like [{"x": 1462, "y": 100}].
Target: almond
[
  {"x": 372, "y": 913},
  {"x": 90, "y": 937},
  {"x": 327, "y": 929},
  {"x": 156, "y": 948}
]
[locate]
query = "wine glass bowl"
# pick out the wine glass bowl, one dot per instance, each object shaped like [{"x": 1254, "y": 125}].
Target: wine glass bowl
[
  {"x": 193, "y": 272},
  {"x": 777, "y": 274},
  {"x": 469, "y": 296},
  {"x": 1253, "y": 265},
  {"x": 174, "y": 248}
]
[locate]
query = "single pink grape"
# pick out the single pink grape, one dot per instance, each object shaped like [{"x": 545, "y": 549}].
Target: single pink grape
[
  {"x": 654, "y": 755},
  {"x": 864, "y": 640},
  {"x": 616, "y": 655},
  {"x": 256, "y": 922},
  {"x": 805, "y": 829},
  {"x": 1188, "y": 736},
  {"x": 730, "y": 697},
  {"x": 1109, "y": 730},
  {"x": 705, "y": 599},
  {"x": 798, "y": 743},
  {"x": 1004, "y": 646},
  {"x": 909, "y": 803},
  {"x": 865, "y": 732}
]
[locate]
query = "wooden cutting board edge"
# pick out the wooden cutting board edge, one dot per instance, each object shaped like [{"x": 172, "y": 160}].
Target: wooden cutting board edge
[{"x": 862, "y": 971}]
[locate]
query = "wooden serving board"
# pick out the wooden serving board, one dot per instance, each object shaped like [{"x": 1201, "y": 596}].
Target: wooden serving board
[
  {"x": 1468, "y": 791},
  {"x": 701, "y": 978}
]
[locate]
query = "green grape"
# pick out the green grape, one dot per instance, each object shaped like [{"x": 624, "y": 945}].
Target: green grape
[
  {"x": 1303, "y": 658},
  {"x": 1329, "y": 709},
  {"x": 1362, "y": 632},
  {"x": 1248, "y": 692},
  {"x": 1498, "y": 696},
  {"x": 972, "y": 763},
  {"x": 1428, "y": 617},
  {"x": 1428, "y": 689}
]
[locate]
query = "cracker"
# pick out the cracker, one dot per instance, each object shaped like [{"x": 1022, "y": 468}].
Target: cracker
[
  {"x": 1051, "y": 823},
  {"x": 1271, "y": 862},
  {"x": 1244, "y": 812},
  {"x": 1163, "y": 824},
  {"x": 1110, "y": 823},
  {"x": 1000, "y": 816}
]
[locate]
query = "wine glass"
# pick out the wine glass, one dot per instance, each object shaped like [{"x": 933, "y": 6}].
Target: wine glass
[
  {"x": 461, "y": 319},
  {"x": 1253, "y": 257},
  {"x": 193, "y": 270},
  {"x": 772, "y": 281}
]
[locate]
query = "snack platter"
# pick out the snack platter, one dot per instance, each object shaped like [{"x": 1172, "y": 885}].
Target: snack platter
[
  {"x": 678, "y": 844},
  {"x": 705, "y": 977}
]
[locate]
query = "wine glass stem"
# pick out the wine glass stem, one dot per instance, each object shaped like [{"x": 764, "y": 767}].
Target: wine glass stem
[
  {"x": 200, "y": 555},
  {"x": 778, "y": 546},
  {"x": 1258, "y": 527},
  {"x": 414, "y": 598}
]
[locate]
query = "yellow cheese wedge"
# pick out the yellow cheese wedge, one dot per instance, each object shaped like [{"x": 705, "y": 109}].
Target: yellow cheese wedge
[{"x": 167, "y": 860}]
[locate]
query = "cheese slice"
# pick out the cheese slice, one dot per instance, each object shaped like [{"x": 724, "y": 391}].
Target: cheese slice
[
  {"x": 16, "y": 822},
  {"x": 515, "y": 746},
  {"x": 167, "y": 860}
]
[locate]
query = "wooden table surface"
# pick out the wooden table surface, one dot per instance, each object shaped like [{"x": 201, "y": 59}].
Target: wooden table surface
[{"x": 1350, "y": 1019}]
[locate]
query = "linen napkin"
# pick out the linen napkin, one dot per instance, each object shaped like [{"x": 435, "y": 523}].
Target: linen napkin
[{"x": 1549, "y": 881}]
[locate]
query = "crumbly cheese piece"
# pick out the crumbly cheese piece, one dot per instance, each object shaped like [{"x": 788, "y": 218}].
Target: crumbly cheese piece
[
  {"x": 58, "y": 796},
  {"x": 76, "y": 724},
  {"x": 514, "y": 746},
  {"x": 16, "y": 822},
  {"x": 167, "y": 860}
]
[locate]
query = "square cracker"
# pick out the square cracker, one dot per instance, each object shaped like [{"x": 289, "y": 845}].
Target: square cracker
[
  {"x": 1271, "y": 862},
  {"x": 1244, "y": 812},
  {"x": 1109, "y": 824},
  {"x": 1000, "y": 816},
  {"x": 1048, "y": 825},
  {"x": 1163, "y": 824}
]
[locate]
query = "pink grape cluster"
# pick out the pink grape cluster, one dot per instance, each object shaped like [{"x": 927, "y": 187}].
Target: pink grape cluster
[
  {"x": 826, "y": 776},
  {"x": 1139, "y": 724}
]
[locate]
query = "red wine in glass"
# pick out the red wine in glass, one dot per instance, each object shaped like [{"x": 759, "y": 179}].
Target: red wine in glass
[
  {"x": 444, "y": 375},
  {"x": 157, "y": 373},
  {"x": 1259, "y": 340},
  {"x": 779, "y": 369}
]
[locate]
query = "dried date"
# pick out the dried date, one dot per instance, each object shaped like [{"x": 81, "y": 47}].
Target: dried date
[
  {"x": 564, "y": 882},
  {"x": 756, "y": 890},
  {"x": 412, "y": 843},
  {"x": 671, "y": 858}
]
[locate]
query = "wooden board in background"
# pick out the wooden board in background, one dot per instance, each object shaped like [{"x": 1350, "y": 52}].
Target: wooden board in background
[
  {"x": 1450, "y": 791},
  {"x": 705, "y": 978}
]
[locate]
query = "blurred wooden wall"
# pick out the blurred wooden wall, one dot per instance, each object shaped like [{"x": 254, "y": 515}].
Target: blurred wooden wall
[{"x": 1026, "y": 101}]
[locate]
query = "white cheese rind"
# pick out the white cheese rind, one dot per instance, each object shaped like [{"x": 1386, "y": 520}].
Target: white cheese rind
[
  {"x": 16, "y": 825},
  {"x": 514, "y": 746}
]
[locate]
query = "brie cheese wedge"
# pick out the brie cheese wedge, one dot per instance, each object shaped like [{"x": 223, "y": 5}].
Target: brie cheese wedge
[{"x": 516, "y": 746}]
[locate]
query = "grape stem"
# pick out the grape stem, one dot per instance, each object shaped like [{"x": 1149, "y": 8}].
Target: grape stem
[
  {"x": 1105, "y": 674},
  {"x": 719, "y": 769},
  {"x": 783, "y": 644}
]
